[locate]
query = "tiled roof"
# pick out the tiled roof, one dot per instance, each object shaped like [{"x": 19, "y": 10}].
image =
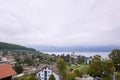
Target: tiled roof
[
  {"x": 6, "y": 71},
  {"x": 52, "y": 67}
]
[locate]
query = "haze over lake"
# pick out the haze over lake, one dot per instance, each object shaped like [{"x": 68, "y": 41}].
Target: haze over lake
[{"x": 87, "y": 54}]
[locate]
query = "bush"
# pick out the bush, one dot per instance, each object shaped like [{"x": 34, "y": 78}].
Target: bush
[
  {"x": 18, "y": 69},
  {"x": 117, "y": 76},
  {"x": 52, "y": 77},
  {"x": 78, "y": 73},
  {"x": 106, "y": 78},
  {"x": 27, "y": 77},
  {"x": 70, "y": 76}
]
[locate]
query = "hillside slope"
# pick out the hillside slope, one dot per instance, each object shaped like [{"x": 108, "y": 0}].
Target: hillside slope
[{"x": 8, "y": 46}]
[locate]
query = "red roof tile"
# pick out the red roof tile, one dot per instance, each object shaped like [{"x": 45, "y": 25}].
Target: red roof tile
[{"x": 6, "y": 71}]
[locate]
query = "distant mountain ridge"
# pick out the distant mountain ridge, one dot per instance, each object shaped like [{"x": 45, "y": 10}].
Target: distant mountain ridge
[
  {"x": 76, "y": 49},
  {"x": 9, "y": 46}
]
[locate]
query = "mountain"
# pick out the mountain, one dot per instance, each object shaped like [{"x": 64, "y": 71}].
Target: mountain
[
  {"x": 9, "y": 46},
  {"x": 76, "y": 48}
]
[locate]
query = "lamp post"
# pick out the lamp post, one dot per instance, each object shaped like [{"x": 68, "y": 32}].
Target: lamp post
[
  {"x": 113, "y": 77},
  {"x": 102, "y": 75}
]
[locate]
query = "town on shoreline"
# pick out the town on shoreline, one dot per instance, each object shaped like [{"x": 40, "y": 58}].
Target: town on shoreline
[{"x": 42, "y": 66}]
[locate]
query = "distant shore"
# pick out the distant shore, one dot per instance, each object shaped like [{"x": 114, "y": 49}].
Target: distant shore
[{"x": 87, "y": 54}]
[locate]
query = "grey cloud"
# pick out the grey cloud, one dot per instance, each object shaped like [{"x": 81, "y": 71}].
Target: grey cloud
[{"x": 64, "y": 22}]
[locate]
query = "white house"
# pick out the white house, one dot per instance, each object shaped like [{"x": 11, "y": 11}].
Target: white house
[
  {"x": 88, "y": 60},
  {"x": 73, "y": 55},
  {"x": 44, "y": 71}
]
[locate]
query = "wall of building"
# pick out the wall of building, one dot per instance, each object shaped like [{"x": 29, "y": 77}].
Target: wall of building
[{"x": 49, "y": 72}]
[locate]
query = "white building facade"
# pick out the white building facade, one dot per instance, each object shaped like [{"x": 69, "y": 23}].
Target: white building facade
[{"x": 45, "y": 73}]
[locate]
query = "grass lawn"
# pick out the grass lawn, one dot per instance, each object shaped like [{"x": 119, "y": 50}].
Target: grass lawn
[
  {"x": 78, "y": 67},
  {"x": 26, "y": 77},
  {"x": 82, "y": 68}
]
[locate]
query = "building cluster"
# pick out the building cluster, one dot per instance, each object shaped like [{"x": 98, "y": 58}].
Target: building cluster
[
  {"x": 87, "y": 60},
  {"x": 8, "y": 59},
  {"x": 42, "y": 71}
]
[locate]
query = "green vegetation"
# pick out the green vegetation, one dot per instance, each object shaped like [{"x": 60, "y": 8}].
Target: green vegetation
[
  {"x": 78, "y": 67},
  {"x": 95, "y": 67},
  {"x": 26, "y": 77},
  {"x": 70, "y": 60},
  {"x": 115, "y": 58},
  {"x": 103, "y": 68},
  {"x": 62, "y": 67},
  {"x": 18, "y": 69},
  {"x": 98, "y": 67},
  {"x": 80, "y": 70},
  {"x": 64, "y": 74},
  {"x": 8, "y": 46},
  {"x": 13, "y": 48},
  {"x": 22, "y": 51},
  {"x": 78, "y": 73},
  {"x": 117, "y": 75},
  {"x": 70, "y": 76},
  {"x": 52, "y": 77}
]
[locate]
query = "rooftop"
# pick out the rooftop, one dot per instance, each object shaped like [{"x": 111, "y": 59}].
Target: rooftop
[
  {"x": 52, "y": 67},
  {"x": 6, "y": 71}
]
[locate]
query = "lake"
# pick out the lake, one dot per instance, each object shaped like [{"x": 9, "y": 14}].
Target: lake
[{"x": 87, "y": 54}]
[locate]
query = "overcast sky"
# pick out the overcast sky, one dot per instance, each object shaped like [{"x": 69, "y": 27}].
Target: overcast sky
[{"x": 60, "y": 22}]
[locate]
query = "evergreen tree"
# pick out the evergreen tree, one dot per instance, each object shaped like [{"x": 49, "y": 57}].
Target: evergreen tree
[
  {"x": 18, "y": 69},
  {"x": 52, "y": 77}
]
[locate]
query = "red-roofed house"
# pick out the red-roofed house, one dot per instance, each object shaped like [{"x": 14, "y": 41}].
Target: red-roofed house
[{"x": 6, "y": 72}]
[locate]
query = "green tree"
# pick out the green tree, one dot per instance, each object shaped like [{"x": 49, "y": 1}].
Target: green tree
[
  {"x": 52, "y": 77},
  {"x": 67, "y": 58},
  {"x": 77, "y": 73},
  {"x": 95, "y": 67},
  {"x": 115, "y": 58},
  {"x": 70, "y": 76},
  {"x": 61, "y": 64},
  {"x": 107, "y": 68},
  {"x": 101, "y": 67},
  {"x": 18, "y": 69},
  {"x": 81, "y": 59},
  {"x": 28, "y": 61},
  {"x": 32, "y": 77},
  {"x": 117, "y": 75},
  {"x": 84, "y": 70}
]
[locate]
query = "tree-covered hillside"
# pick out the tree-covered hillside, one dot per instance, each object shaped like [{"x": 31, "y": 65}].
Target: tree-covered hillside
[{"x": 8, "y": 46}]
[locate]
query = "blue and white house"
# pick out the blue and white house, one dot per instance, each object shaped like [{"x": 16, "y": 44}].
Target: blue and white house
[{"x": 44, "y": 72}]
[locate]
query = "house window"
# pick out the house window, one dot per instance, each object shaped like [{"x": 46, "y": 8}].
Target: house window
[
  {"x": 39, "y": 75},
  {"x": 45, "y": 75},
  {"x": 48, "y": 71}
]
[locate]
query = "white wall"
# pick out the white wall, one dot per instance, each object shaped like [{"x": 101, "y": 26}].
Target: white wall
[
  {"x": 49, "y": 72},
  {"x": 56, "y": 76}
]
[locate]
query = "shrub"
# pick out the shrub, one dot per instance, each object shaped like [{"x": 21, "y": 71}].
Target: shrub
[{"x": 52, "y": 77}]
